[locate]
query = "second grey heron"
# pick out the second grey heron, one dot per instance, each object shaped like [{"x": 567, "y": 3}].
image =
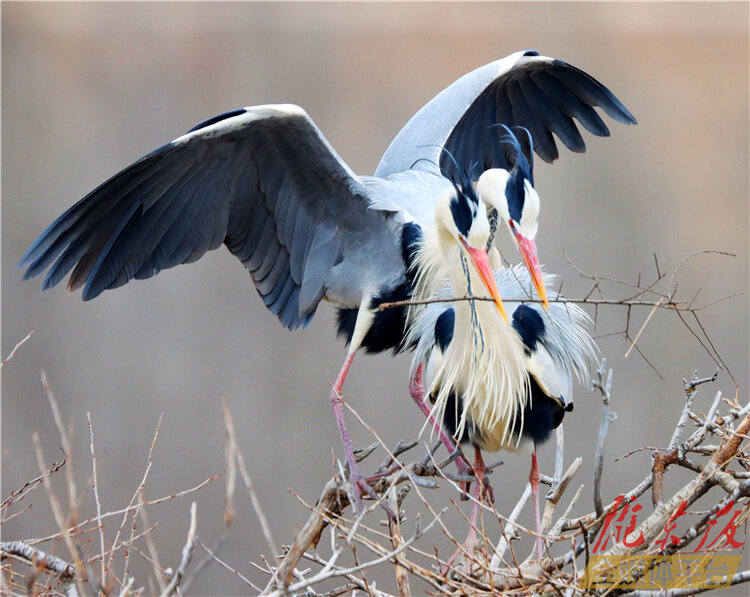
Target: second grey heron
[{"x": 465, "y": 396}]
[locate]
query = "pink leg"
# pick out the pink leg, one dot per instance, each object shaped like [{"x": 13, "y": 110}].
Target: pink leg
[
  {"x": 337, "y": 403},
  {"x": 534, "y": 481},
  {"x": 479, "y": 470},
  {"x": 471, "y": 540},
  {"x": 416, "y": 390}
]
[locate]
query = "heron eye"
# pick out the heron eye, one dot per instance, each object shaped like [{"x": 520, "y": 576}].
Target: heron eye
[{"x": 512, "y": 224}]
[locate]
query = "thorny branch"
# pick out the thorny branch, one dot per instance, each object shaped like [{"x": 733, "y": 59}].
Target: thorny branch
[
  {"x": 50, "y": 574},
  {"x": 715, "y": 455},
  {"x": 559, "y": 572},
  {"x": 641, "y": 294},
  {"x": 502, "y": 570}
]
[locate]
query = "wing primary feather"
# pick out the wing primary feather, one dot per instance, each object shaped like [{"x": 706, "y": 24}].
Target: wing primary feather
[
  {"x": 99, "y": 278},
  {"x": 593, "y": 92},
  {"x": 570, "y": 105},
  {"x": 141, "y": 245},
  {"x": 544, "y": 143},
  {"x": 42, "y": 247},
  {"x": 92, "y": 230},
  {"x": 80, "y": 247},
  {"x": 133, "y": 247},
  {"x": 169, "y": 252},
  {"x": 551, "y": 117},
  {"x": 77, "y": 221}
]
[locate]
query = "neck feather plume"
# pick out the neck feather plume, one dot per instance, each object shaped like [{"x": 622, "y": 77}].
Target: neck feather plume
[{"x": 484, "y": 362}]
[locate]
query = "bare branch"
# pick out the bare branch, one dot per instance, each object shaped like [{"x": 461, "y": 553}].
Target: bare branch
[
  {"x": 18, "y": 494},
  {"x": 509, "y": 529},
  {"x": 608, "y": 416},
  {"x": 187, "y": 552},
  {"x": 394, "y": 526},
  {"x": 97, "y": 501},
  {"x": 234, "y": 448},
  {"x": 160, "y": 500},
  {"x": 65, "y": 439},
  {"x": 136, "y": 500},
  {"x": 36, "y": 557},
  {"x": 643, "y": 327},
  {"x": 16, "y": 347},
  {"x": 226, "y": 566}
]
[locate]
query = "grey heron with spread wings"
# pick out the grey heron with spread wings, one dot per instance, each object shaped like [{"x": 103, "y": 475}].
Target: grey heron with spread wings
[{"x": 265, "y": 182}]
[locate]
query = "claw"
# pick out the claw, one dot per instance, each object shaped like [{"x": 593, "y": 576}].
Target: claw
[{"x": 360, "y": 486}]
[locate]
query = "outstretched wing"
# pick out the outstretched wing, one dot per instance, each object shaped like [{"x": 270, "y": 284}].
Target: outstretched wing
[
  {"x": 261, "y": 180},
  {"x": 525, "y": 89}
]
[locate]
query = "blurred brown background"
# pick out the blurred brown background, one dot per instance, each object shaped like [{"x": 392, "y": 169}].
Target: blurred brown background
[{"x": 88, "y": 88}]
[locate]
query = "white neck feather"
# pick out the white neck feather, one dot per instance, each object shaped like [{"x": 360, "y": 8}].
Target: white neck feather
[{"x": 484, "y": 362}]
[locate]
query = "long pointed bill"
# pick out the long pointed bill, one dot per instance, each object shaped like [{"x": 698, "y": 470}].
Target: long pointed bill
[
  {"x": 528, "y": 252},
  {"x": 482, "y": 264}
]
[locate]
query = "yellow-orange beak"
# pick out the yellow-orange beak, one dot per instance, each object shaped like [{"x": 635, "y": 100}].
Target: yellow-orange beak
[
  {"x": 528, "y": 252},
  {"x": 482, "y": 264}
]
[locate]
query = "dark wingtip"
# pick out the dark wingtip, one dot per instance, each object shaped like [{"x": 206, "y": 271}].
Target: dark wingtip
[
  {"x": 30, "y": 256},
  {"x": 47, "y": 284},
  {"x": 88, "y": 293},
  {"x": 613, "y": 107},
  {"x": 530, "y": 53},
  {"x": 27, "y": 275},
  {"x": 623, "y": 116},
  {"x": 602, "y": 131}
]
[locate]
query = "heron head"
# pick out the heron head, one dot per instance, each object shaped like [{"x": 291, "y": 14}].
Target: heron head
[
  {"x": 464, "y": 230},
  {"x": 512, "y": 194}
]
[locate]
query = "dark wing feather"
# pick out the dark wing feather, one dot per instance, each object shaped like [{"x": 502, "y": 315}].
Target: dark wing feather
[
  {"x": 542, "y": 95},
  {"x": 524, "y": 89},
  {"x": 262, "y": 180}
]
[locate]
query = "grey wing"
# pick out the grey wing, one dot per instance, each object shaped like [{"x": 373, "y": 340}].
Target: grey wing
[
  {"x": 261, "y": 180},
  {"x": 525, "y": 89}
]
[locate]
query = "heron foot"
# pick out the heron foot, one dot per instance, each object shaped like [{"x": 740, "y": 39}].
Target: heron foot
[
  {"x": 360, "y": 486},
  {"x": 487, "y": 491}
]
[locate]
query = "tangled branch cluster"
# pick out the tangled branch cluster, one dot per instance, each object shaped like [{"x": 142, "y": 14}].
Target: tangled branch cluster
[
  {"x": 716, "y": 456},
  {"x": 498, "y": 567},
  {"x": 716, "y": 453}
]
